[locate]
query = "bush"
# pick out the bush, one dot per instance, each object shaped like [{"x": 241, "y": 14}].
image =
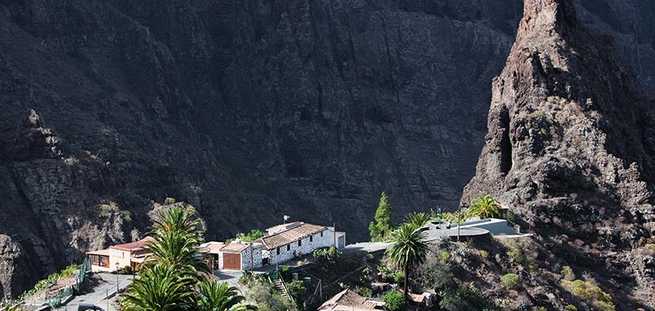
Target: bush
[
  {"x": 591, "y": 293},
  {"x": 254, "y": 234},
  {"x": 465, "y": 298},
  {"x": 444, "y": 256},
  {"x": 568, "y": 274},
  {"x": 570, "y": 308},
  {"x": 399, "y": 277},
  {"x": 326, "y": 256},
  {"x": 509, "y": 280},
  {"x": 394, "y": 300},
  {"x": 484, "y": 207}
]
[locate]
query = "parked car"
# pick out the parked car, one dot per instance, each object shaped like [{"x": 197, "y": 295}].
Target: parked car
[{"x": 89, "y": 307}]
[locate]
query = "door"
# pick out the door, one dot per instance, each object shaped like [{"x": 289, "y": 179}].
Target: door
[{"x": 231, "y": 261}]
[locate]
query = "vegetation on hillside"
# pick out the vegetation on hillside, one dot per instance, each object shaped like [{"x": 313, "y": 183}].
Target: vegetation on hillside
[{"x": 250, "y": 236}]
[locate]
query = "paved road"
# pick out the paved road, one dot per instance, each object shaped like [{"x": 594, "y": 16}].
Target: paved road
[
  {"x": 106, "y": 285},
  {"x": 230, "y": 277},
  {"x": 369, "y": 247}
]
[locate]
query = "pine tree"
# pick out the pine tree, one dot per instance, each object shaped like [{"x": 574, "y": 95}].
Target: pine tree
[{"x": 381, "y": 227}]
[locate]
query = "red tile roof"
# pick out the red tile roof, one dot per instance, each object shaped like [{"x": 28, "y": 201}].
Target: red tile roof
[
  {"x": 291, "y": 235},
  {"x": 133, "y": 246},
  {"x": 234, "y": 247},
  {"x": 348, "y": 300}
]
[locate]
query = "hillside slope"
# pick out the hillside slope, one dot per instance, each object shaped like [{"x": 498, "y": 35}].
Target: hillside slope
[
  {"x": 247, "y": 109},
  {"x": 570, "y": 150}
]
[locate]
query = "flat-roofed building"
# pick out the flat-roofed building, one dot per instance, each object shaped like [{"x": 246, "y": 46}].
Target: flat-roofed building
[{"x": 119, "y": 256}]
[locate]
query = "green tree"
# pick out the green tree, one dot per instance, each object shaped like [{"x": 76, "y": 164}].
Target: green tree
[
  {"x": 177, "y": 233},
  {"x": 159, "y": 287},
  {"x": 215, "y": 296},
  {"x": 408, "y": 250},
  {"x": 394, "y": 301},
  {"x": 381, "y": 226},
  {"x": 484, "y": 207}
]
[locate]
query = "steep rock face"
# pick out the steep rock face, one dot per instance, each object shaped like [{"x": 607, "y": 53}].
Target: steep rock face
[
  {"x": 248, "y": 110},
  {"x": 570, "y": 144}
]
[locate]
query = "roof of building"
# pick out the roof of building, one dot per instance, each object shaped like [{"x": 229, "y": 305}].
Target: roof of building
[
  {"x": 295, "y": 233},
  {"x": 283, "y": 227},
  {"x": 133, "y": 246},
  {"x": 211, "y": 247},
  {"x": 234, "y": 247},
  {"x": 348, "y": 300},
  {"x": 101, "y": 252}
]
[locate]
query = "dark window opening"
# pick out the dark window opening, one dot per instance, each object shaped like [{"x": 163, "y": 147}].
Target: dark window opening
[
  {"x": 311, "y": 238},
  {"x": 278, "y": 250},
  {"x": 288, "y": 247},
  {"x": 299, "y": 242}
]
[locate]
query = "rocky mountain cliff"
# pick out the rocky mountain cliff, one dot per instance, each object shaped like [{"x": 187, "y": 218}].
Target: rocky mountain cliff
[
  {"x": 249, "y": 110},
  {"x": 570, "y": 150}
]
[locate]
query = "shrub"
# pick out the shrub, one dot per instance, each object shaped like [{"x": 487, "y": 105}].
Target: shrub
[
  {"x": 484, "y": 207},
  {"x": 570, "y": 308},
  {"x": 465, "y": 298},
  {"x": 399, "y": 277},
  {"x": 568, "y": 274},
  {"x": 483, "y": 253},
  {"x": 250, "y": 236},
  {"x": 590, "y": 292},
  {"x": 444, "y": 256},
  {"x": 394, "y": 301},
  {"x": 364, "y": 291},
  {"x": 326, "y": 255},
  {"x": 509, "y": 280}
]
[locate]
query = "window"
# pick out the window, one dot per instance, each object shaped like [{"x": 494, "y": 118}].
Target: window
[
  {"x": 101, "y": 261},
  {"x": 311, "y": 238},
  {"x": 321, "y": 233},
  {"x": 300, "y": 242},
  {"x": 278, "y": 250},
  {"x": 288, "y": 247}
]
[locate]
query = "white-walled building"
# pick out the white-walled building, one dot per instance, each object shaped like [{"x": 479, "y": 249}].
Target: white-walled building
[
  {"x": 232, "y": 256},
  {"x": 287, "y": 241},
  {"x": 119, "y": 256}
]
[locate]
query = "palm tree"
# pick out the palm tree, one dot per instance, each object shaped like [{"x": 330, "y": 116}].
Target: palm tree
[
  {"x": 177, "y": 249},
  {"x": 408, "y": 250},
  {"x": 176, "y": 234},
  {"x": 215, "y": 296},
  {"x": 160, "y": 287},
  {"x": 417, "y": 220},
  {"x": 484, "y": 207}
]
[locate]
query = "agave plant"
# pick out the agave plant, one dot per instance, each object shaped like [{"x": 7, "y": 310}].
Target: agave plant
[
  {"x": 408, "y": 250},
  {"x": 215, "y": 296},
  {"x": 159, "y": 287},
  {"x": 418, "y": 220}
]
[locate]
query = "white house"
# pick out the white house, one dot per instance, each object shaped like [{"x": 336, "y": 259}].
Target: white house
[
  {"x": 232, "y": 256},
  {"x": 287, "y": 241},
  {"x": 119, "y": 256}
]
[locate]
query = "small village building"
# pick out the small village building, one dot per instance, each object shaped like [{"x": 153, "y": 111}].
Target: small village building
[
  {"x": 211, "y": 252},
  {"x": 348, "y": 300},
  {"x": 287, "y": 241},
  {"x": 232, "y": 256},
  {"x": 120, "y": 256}
]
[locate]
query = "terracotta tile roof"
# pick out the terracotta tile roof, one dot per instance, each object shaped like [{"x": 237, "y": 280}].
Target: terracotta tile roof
[
  {"x": 133, "y": 246},
  {"x": 234, "y": 247},
  {"x": 211, "y": 247},
  {"x": 348, "y": 300},
  {"x": 291, "y": 235}
]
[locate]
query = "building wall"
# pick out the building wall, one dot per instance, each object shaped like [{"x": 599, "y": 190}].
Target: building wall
[
  {"x": 248, "y": 262},
  {"x": 122, "y": 258},
  {"x": 306, "y": 247}
]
